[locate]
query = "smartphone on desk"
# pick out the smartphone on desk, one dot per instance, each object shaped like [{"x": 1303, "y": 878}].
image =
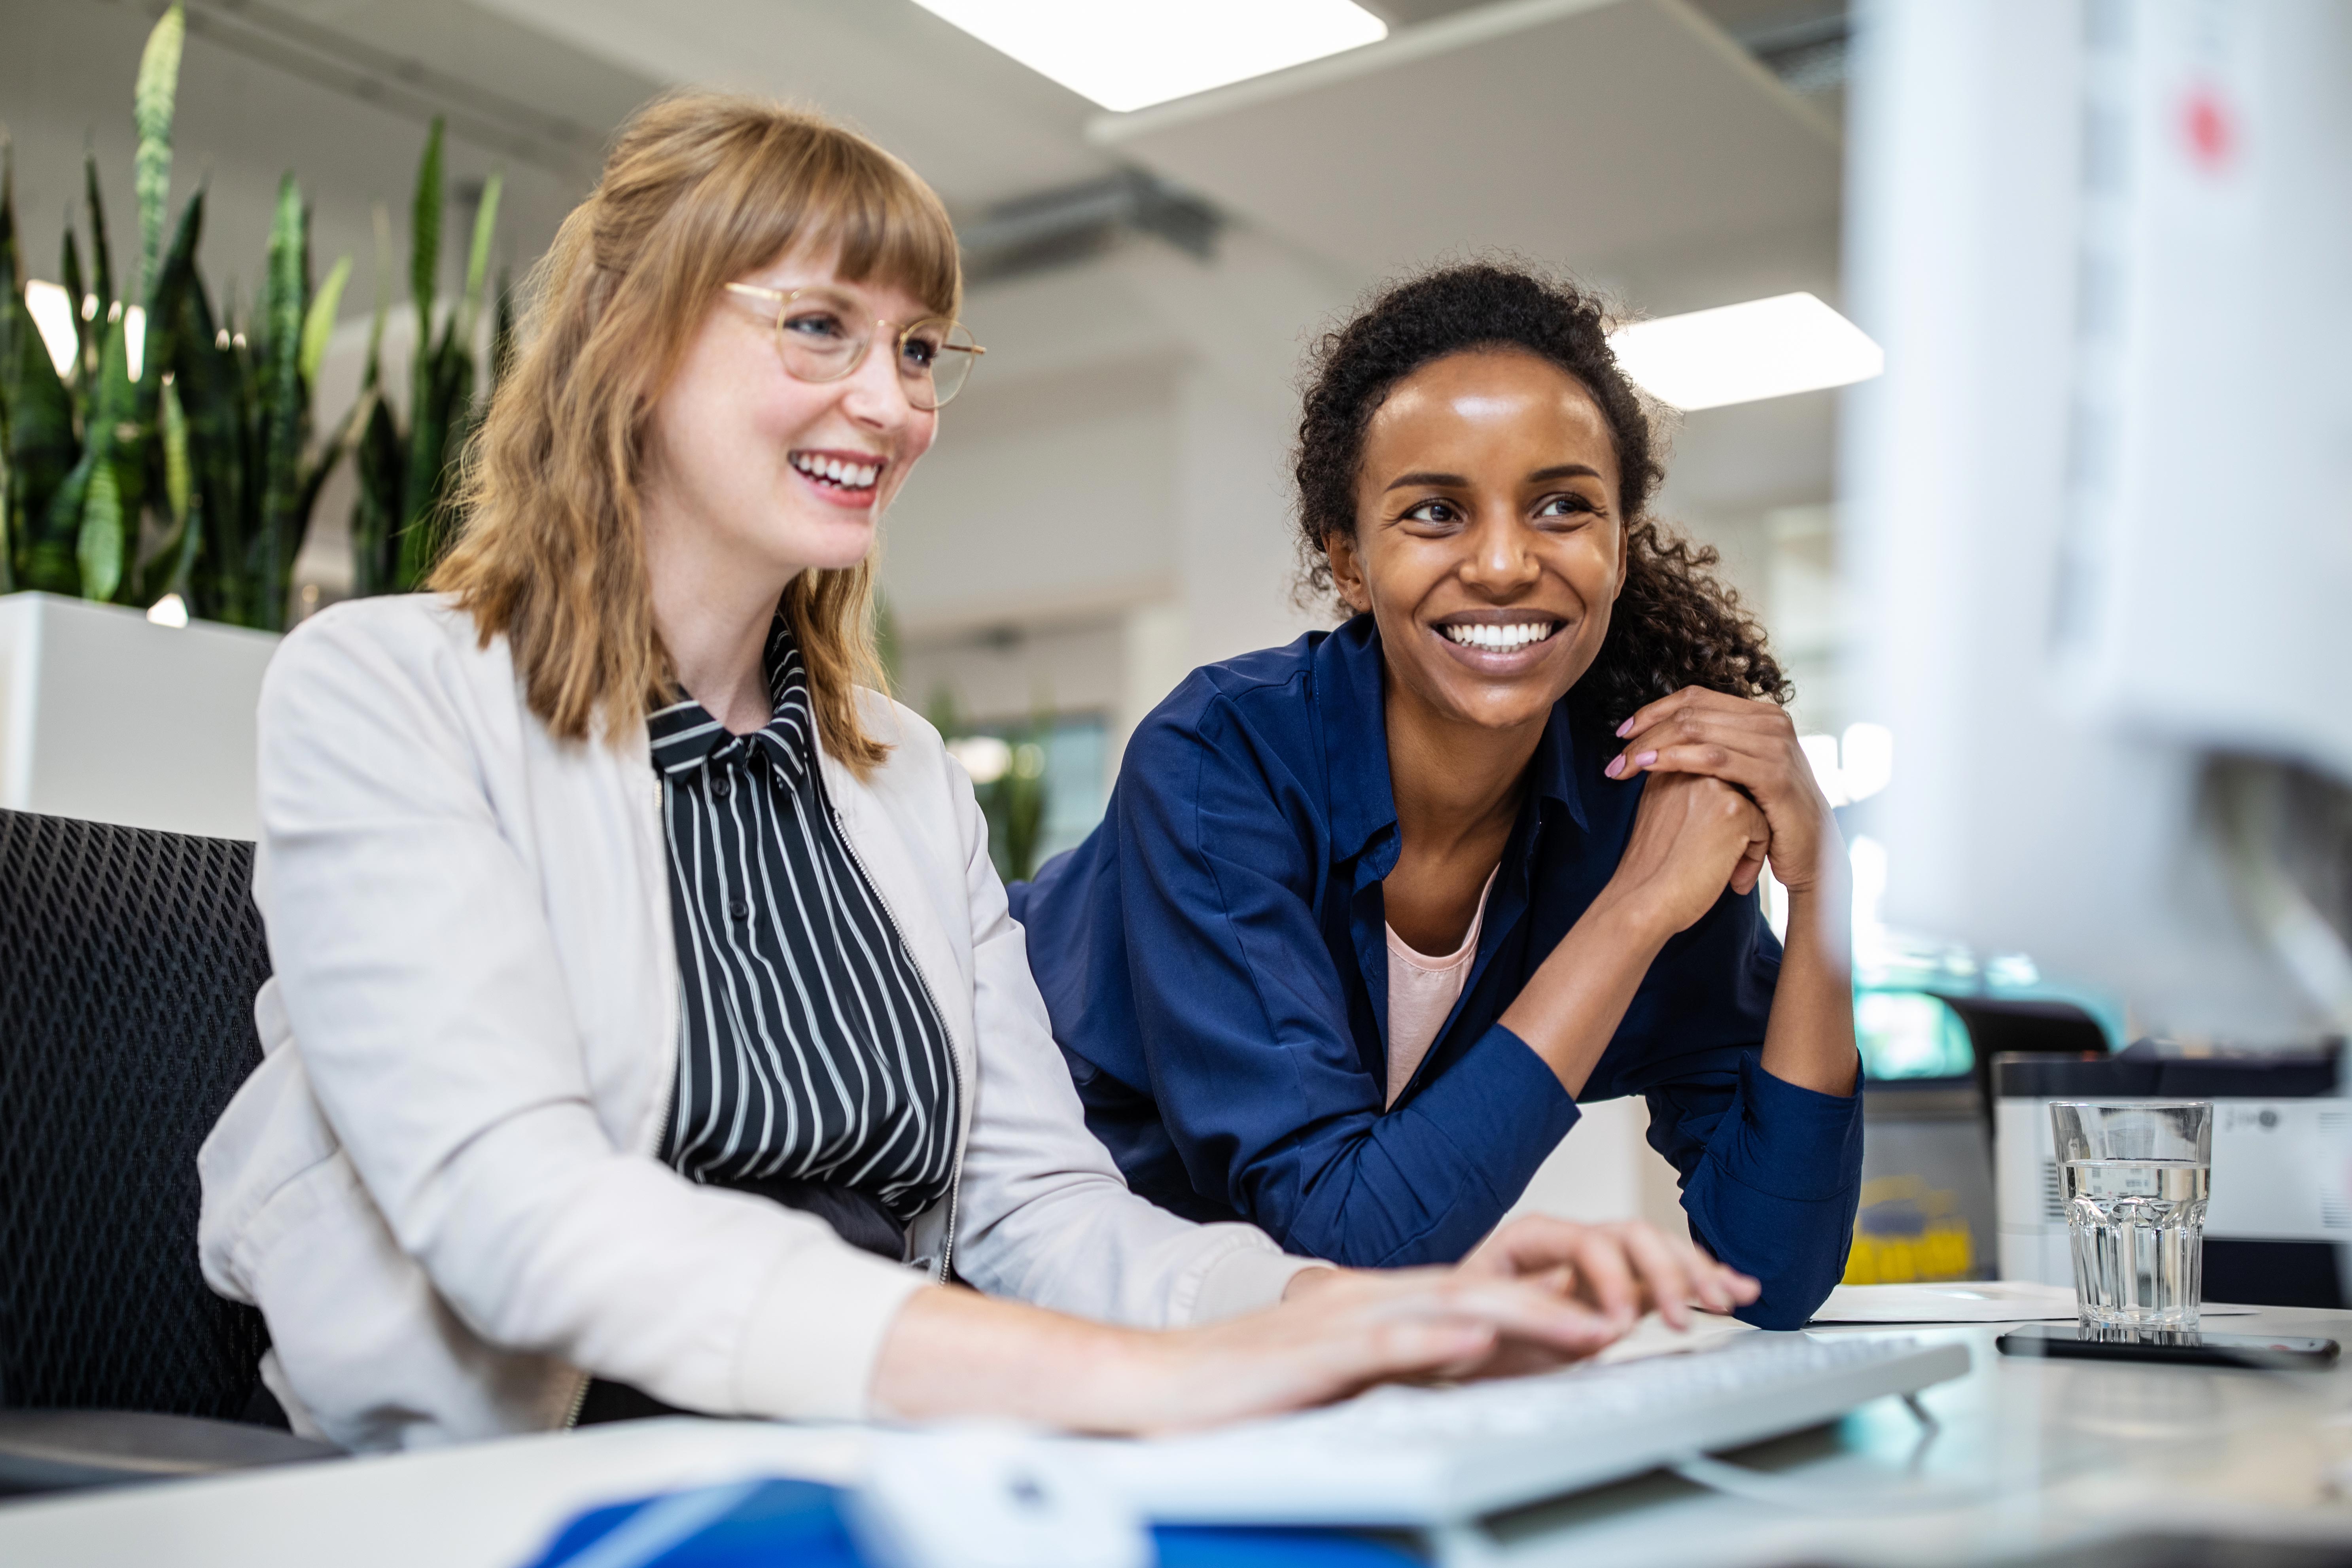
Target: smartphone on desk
[{"x": 2188, "y": 1347}]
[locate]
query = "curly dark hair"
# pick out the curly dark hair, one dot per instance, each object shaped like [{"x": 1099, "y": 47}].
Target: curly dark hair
[{"x": 1676, "y": 624}]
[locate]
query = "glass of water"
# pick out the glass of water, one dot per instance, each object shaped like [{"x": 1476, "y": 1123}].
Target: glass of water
[{"x": 2136, "y": 1175}]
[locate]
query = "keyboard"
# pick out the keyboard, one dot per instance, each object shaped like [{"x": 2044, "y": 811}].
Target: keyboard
[{"x": 1424, "y": 1456}]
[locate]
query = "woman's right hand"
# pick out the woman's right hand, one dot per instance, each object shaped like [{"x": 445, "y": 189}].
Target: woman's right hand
[
  {"x": 952, "y": 1352},
  {"x": 1356, "y": 1328},
  {"x": 1693, "y": 838}
]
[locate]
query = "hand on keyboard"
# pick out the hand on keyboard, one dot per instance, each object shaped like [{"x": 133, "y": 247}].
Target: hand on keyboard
[
  {"x": 1620, "y": 1270},
  {"x": 1342, "y": 1330}
]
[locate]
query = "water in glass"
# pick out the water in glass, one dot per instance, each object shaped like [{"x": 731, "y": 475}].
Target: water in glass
[{"x": 2138, "y": 1232}]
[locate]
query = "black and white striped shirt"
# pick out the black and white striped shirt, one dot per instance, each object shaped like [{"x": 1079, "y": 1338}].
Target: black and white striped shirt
[{"x": 813, "y": 1064}]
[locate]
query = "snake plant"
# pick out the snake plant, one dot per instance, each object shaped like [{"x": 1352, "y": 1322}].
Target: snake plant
[
  {"x": 403, "y": 516},
  {"x": 191, "y": 476}
]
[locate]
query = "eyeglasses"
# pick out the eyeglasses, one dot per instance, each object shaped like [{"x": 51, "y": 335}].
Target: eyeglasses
[{"x": 824, "y": 333}]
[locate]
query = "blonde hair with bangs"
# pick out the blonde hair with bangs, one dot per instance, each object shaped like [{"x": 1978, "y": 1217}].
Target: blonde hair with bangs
[{"x": 700, "y": 189}]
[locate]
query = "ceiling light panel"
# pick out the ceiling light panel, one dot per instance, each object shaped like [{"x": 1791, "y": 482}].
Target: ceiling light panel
[
  {"x": 1744, "y": 354},
  {"x": 1131, "y": 54}
]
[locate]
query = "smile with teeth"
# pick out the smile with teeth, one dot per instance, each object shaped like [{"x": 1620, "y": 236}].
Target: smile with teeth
[
  {"x": 832, "y": 472},
  {"x": 1506, "y": 638}
]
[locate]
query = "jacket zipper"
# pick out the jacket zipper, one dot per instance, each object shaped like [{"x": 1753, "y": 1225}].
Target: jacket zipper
[
  {"x": 955, "y": 1166},
  {"x": 668, "y": 1103}
]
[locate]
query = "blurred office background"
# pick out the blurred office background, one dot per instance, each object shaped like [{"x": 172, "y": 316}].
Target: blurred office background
[{"x": 1108, "y": 505}]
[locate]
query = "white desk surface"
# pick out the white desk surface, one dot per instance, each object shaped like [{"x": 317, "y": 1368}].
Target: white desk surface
[{"x": 2029, "y": 1454}]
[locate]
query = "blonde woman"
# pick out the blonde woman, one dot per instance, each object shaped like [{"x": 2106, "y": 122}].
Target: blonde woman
[{"x": 648, "y": 1031}]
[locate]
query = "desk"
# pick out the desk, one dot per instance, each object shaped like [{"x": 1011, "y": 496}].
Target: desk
[{"x": 2029, "y": 1454}]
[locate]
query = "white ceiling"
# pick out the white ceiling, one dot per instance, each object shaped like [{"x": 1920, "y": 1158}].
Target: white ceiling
[
  {"x": 1580, "y": 132},
  {"x": 980, "y": 126},
  {"x": 1575, "y": 132}
]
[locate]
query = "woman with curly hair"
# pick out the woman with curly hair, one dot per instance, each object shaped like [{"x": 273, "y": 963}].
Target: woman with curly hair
[{"x": 1372, "y": 915}]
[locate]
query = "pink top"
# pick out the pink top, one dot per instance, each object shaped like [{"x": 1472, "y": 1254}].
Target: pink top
[{"x": 1422, "y": 992}]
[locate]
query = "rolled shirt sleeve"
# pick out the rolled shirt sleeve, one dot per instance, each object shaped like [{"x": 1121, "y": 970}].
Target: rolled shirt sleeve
[{"x": 1772, "y": 1173}]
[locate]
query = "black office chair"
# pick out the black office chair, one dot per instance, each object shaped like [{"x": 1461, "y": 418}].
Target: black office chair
[{"x": 129, "y": 961}]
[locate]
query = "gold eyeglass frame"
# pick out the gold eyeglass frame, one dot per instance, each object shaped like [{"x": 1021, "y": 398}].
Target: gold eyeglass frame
[{"x": 783, "y": 299}]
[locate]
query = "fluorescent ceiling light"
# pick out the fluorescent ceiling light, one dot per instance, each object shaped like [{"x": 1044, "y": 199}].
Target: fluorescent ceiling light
[
  {"x": 1743, "y": 353},
  {"x": 1129, "y": 54}
]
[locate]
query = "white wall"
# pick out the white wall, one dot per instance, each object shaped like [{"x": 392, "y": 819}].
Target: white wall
[
  {"x": 1044, "y": 498},
  {"x": 1605, "y": 1170},
  {"x": 1108, "y": 505}
]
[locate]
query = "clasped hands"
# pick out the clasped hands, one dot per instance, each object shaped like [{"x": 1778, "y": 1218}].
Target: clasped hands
[{"x": 1730, "y": 790}]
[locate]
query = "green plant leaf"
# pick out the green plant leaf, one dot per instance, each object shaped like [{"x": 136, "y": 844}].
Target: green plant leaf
[
  {"x": 210, "y": 381},
  {"x": 161, "y": 566},
  {"x": 331, "y": 452},
  {"x": 477, "y": 259},
  {"x": 113, "y": 450},
  {"x": 85, "y": 362},
  {"x": 12, "y": 265},
  {"x": 191, "y": 551},
  {"x": 434, "y": 431},
  {"x": 159, "y": 81},
  {"x": 173, "y": 278},
  {"x": 7, "y": 532},
  {"x": 424, "y": 232},
  {"x": 502, "y": 332},
  {"x": 285, "y": 402},
  {"x": 101, "y": 267},
  {"x": 100, "y": 551},
  {"x": 378, "y": 466},
  {"x": 370, "y": 378},
  {"x": 319, "y": 324},
  {"x": 177, "y": 479},
  {"x": 10, "y": 290},
  {"x": 50, "y": 563},
  {"x": 42, "y": 449}
]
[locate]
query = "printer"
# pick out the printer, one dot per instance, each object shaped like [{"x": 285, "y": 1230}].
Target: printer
[{"x": 2282, "y": 1164}]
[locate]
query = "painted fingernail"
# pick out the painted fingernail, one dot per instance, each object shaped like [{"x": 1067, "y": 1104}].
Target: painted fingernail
[
  {"x": 1644, "y": 759},
  {"x": 1625, "y": 729},
  {"x": 1616, "y": 766}
]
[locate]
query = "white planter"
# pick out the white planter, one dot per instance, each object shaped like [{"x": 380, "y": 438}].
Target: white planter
[{"x": 106, "y": 716}]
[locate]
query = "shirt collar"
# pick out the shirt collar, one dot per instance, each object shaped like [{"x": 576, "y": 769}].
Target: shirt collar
[
  {"x": 1347, "y": 685},
  {"x": 685, "y": 736}
]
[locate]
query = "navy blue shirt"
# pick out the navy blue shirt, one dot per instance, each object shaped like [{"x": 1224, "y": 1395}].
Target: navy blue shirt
[{"x": 1214, "y": 958}]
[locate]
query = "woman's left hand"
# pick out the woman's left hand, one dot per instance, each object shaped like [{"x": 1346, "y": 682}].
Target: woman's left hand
[
  {"x": 1617, "y": 1272},
  {"x": 1621, "y": 1270},
  {"x": 1749, "y": 742}
]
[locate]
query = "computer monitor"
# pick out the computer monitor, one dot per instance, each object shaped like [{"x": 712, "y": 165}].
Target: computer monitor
[{"x": 2097, "y": 513}]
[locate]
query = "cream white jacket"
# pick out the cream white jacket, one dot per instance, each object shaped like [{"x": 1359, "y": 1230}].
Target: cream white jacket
[{"x": 441, "y": 1186}]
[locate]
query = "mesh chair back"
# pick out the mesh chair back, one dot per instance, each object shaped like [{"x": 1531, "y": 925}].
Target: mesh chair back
[{"x": 128, "y": 962}]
